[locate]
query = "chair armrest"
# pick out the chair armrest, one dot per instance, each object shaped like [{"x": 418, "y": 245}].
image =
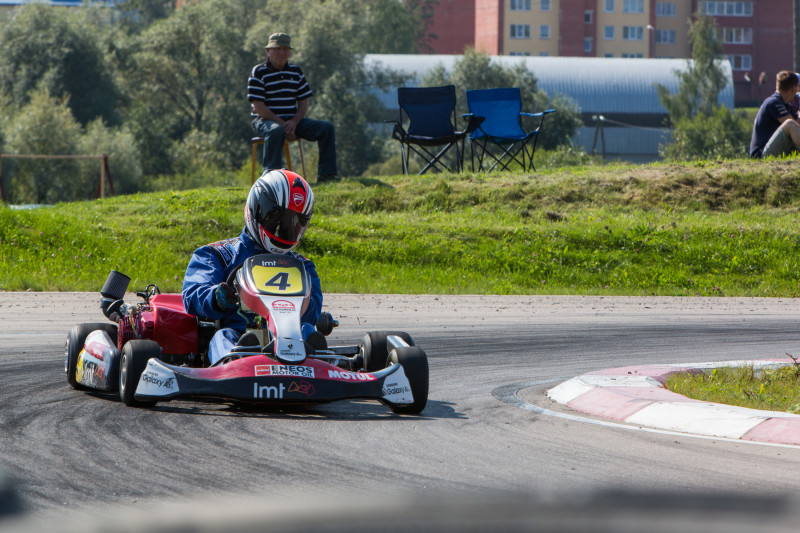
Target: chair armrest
[
  {"x": 539, "y": 114},
  {"x": 398, "y": 132},
  {"x": 474, "y": 122}
]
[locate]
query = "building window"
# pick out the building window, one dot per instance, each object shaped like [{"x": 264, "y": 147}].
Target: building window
[
  {"x": 520, "y": 31},
  {"x": 519, "y": 53},
  {"x": 544, "y": 5},
  {"x": 588, "y": 16},
  {"x": 735, "y": 35},
  {"x": 544, "y": 54},
  {"x": 633, "y": 6},
  {"x": 587, "y": 44},
  {"x": 608, "y": 55},
  {"x": 665, "y": 9},
  {"x": 741, "y": 61},
  {"x": 665, "y": 36},
  {"x": 632, "y": 55},
  {"x": 608, "y": 6},
  {"x": 608, "y": 33},
  {"x": 727, "y": 8},
  {"x": 544, "y": 31},
  {"x": 520, "y": 5},
  {"x": 632, "y": 33}
]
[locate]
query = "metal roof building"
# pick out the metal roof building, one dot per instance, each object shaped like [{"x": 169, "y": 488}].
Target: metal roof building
[{"x": 622, "y": 90}]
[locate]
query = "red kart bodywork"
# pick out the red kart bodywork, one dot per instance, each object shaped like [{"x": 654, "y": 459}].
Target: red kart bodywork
[{"x": 166, "y": 322}]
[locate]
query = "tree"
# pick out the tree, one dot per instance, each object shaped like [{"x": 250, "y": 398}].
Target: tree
[
  {"x": 188, "y": 72},
  {"x": 328, "y": 40},
  {"x": 422, "y": 11},
  {"x": 704, "y": 78},
  {"x": 58, "y": 48},
  {"x": 702, "y": 128},
  {"x": 31, "y": 132}
]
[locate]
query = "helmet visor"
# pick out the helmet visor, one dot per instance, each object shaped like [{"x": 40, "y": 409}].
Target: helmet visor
[{"x": 284, "y": 227}]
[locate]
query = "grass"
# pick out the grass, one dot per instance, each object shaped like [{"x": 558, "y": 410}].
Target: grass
[
  {"x": 770, "y": 389},
  {"x": 708, "y": 228}
]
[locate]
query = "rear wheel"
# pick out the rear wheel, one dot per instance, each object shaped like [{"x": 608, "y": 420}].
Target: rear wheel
[
  {"x": 375, "y": 349},
  {"x": 76, "y": 338},
  {"x": 135, "y": 355},
  {"x": 415, "y": 366}
]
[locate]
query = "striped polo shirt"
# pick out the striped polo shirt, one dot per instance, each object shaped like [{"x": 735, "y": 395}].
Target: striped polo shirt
[{"x": 278, "y": 89}]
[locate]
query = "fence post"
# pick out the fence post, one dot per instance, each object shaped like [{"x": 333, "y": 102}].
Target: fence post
[{"x": 2, "y": 192}]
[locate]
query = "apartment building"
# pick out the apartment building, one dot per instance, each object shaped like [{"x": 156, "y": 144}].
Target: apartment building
[{"x": 757, "y": 35}]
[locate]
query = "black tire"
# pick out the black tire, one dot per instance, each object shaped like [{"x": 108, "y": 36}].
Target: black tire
[
  {"x": 375, "y": 350},
  {"x": 135, "y": 355},
  {"x": 76, "y": 338},
  {"x": 415, "y": 365}
]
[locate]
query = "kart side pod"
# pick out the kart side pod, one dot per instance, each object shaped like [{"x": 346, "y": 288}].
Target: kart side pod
[{"x": 98, "y": 363}]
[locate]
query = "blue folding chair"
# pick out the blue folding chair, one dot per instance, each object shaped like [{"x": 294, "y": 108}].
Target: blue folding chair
[
  {"x": 501, "y": 136},
  {"x": 430, "y": 112}
]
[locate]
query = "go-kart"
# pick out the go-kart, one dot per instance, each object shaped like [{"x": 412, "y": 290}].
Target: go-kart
[{"x": 155, "y": 351}]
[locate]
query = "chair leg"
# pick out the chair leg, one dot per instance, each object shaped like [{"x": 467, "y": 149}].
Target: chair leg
[
  {"x": 302, "y": 157},
  {"x": 287, "y": 154},
  {"x": 253, "y": 151}
]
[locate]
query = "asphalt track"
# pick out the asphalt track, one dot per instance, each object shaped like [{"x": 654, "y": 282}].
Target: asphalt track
[{"x": 490, "y": 435}]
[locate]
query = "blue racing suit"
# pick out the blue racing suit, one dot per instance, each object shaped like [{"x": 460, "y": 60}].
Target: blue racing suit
[{"x": 210, "y": 265}]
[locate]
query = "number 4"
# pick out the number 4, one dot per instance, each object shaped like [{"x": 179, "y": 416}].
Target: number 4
[{"x": 279, "y": 281}]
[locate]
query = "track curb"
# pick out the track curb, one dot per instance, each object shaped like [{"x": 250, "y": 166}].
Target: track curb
[{"x": 636, "y": 395}]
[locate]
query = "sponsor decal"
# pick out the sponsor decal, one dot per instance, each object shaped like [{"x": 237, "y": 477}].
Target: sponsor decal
[
  {"x": 79, "y": 367},
  {"x": 268, "y": 392},
  {"x": 283, "y": 306},
  {"x": 285, "y": 370},
  {"x": 389, "y": 391},
  {"x": 350, "y": 376},
  {"x": 298, "y": 198},
  {"x": 157, "y": 380},
  {"x": 303, "y": 387}
]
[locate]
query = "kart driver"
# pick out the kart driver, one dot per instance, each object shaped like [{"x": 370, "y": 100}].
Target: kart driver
[{"x": 277, "y": 213}]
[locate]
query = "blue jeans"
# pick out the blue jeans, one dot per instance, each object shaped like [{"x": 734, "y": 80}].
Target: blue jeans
[
  {"x": 320, "y": 131},
  {"x": 225, "y": 339}
]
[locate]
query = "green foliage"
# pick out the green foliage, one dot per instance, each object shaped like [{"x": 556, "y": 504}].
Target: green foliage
[
  {"x": 329, "y": 39},
  {"x": 703, "y": 79},
  {"x": 701, "y": 229},
  {"x": 45, "y": 126},
  {"x": 188, "y": 68},
  {"x": 46, "y": 47},
  {"x": 774, "y": 389},
  {"x": 702, "y": 129},
  {"x": 722, "y": 134},
  {"x": 124, "y": 162}
]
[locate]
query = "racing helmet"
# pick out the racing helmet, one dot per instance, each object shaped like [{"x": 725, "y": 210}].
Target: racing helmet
[{"x": 278, "y": 210}]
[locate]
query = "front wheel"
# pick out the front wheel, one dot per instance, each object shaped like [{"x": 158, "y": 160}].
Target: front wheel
[
  {"x": 415, "y": 366},
  {"x": 376, "y": 350},
  {"x": 76, "y": 338},
  {"x": 135, "y": 355}
]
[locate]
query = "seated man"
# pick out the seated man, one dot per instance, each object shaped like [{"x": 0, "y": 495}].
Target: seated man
[
  {"x": 278, "y": 94},
  {"x": 776, "y": 131}
]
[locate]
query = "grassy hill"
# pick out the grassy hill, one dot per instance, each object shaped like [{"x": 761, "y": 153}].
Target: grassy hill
[{"x": 709, "y": 228}]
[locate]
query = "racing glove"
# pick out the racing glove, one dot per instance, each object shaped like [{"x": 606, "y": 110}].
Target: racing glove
[{"x": 225, "y": 298}]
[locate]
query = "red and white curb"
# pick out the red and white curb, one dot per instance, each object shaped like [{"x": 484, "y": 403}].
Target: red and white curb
[{"x": 636, "y": 395}]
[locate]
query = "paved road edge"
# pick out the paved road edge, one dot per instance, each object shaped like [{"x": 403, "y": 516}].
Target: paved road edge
[{"x": 636, "y": 395}]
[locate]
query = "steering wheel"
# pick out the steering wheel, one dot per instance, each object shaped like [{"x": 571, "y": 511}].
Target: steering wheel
[{"x": 232, "y": 277}]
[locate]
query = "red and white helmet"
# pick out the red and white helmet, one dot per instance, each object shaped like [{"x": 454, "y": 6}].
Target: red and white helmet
[{"x": 278, "y": 210}]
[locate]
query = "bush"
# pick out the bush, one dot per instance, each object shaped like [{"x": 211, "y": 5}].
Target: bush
[{"x": 722, "y": 135}]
